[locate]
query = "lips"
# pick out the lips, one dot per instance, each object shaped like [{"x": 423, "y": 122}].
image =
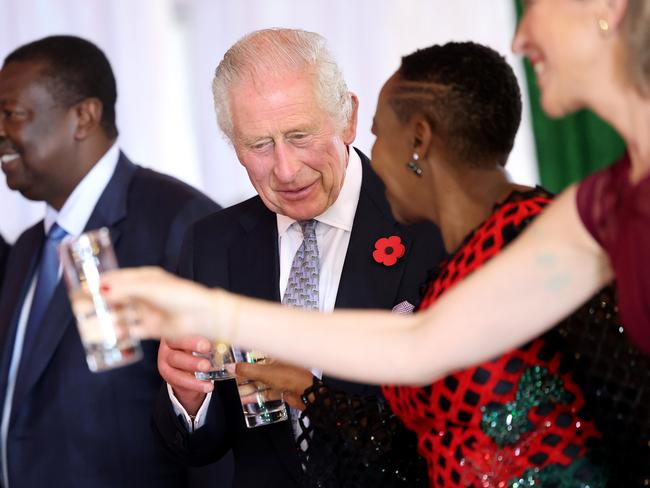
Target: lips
[
  {"x": 9, "y": 161},
  {"x": 537, "y": 63},
  {"x": 7, "y": 158},
  {"x": 299, "y": 193}
]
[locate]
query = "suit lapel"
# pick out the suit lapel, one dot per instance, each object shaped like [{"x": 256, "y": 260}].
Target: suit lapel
[
  {"x": 20, "y": 271},
  {"x": 110, "y": 212},
  {"x": 254, "y": 267},
  {"x": 364, "y": 282},
  {"x": 253, "y": 263}
]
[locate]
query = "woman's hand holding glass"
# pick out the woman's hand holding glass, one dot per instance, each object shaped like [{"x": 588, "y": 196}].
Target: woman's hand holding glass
[{"x": 292, "y": 381}]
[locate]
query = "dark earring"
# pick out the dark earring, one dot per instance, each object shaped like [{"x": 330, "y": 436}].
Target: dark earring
[{"x": 413, "y": 165}]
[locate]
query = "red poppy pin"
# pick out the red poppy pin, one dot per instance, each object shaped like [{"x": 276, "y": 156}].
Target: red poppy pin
[{"x": 388, "y": 250}]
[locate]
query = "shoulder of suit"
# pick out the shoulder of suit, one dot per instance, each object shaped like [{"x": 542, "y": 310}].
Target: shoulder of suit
[
  {"x": 165, "y": 190},
  {"x": 229, "y": 218}
]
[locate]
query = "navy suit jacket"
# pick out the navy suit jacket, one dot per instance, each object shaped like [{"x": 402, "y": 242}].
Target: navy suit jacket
[
  {"x": 237, "y": 249},
  {"x": 70, "y": 427}
]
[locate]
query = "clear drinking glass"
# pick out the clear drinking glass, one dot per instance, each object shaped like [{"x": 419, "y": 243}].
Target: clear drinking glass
[
  {"x": 104, "y": 330},
  {"x": 264, "y": 406},
  {"x": 219, "y": 356}
]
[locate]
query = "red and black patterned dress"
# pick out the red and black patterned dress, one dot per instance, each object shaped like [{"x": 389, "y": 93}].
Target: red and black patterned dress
[
  {"x": 512, "y": 422},
  {"x": 525, "y": 419}
]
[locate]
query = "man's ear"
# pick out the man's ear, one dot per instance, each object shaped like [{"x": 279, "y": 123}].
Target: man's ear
[
  {"x": 89, "y": 116},
  {"x": 349, "y": 133}
]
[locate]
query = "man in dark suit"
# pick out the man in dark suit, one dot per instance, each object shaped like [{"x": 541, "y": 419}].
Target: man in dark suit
[
  {"x": 282, "y": 102},
  {"x": 61, "y": 424}
]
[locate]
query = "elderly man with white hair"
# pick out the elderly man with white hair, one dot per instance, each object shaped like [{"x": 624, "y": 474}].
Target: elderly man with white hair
[{"x": 282, "y": 102}]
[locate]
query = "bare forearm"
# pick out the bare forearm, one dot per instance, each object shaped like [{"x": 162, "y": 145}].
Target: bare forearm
[
  {"x": 336, "y": 342},
  {"x": 524, "y": 291}
]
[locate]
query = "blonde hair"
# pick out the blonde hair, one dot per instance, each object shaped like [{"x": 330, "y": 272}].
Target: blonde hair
[
  {"x": 636, "y": 37},
  {"x": 274, "y": 52}
]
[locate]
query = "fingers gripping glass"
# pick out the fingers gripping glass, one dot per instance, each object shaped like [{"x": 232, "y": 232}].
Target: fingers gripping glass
[
  {"x": 261, "y": 404},
  {"x": 219, "y": 356}
]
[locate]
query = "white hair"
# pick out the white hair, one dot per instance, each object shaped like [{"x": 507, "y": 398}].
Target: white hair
[{"x": 274, "y": 52}]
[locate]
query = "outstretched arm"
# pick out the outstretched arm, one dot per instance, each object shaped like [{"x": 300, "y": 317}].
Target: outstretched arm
[{"x": 539, "y": 279}]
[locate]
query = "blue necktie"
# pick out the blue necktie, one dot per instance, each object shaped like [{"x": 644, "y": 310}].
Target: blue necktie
[{"x": 48, "y": 277}]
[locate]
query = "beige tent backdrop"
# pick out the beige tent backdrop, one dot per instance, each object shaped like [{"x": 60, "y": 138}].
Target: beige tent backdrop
[{"x": 164, "y": 53}]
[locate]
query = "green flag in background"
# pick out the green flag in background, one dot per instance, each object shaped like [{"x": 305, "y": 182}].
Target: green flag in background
[{"x": 570, "y": 148}]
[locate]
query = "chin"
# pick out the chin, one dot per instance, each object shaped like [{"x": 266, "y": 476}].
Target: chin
[
  {"x": 303, "y": 212},
  {"x": 551, "y": 108},
  {"x": 402, "y": 217},
  {"x": 30, "y": 194},
  {"x": 555, "y": 107}
]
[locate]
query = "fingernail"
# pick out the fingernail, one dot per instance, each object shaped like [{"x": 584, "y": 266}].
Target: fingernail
[
  {"x": 204, "y": 365},
  {"x": 208, "y": 387},
  {"x": 203, "y": 346}
]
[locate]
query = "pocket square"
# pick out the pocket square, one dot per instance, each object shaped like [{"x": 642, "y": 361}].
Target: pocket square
[{"x": 404, "y": 307}]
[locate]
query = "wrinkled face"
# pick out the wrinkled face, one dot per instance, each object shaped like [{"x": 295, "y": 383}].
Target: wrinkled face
[
  {"x": 563, "y": 43},
  {"x": 294, "y": 153},
  {"x": 393, "y": 147},
  {"x": 36, "y": 135}
]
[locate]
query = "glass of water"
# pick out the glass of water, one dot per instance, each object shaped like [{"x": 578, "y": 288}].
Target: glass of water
[
  {"x": 261, "y": 404},
  {"x": 219, "y": 356},
  {"x": 104, "y": 329}
]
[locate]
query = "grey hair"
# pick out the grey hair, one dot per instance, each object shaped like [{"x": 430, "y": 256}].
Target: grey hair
[{"x": 274, "y": 52}]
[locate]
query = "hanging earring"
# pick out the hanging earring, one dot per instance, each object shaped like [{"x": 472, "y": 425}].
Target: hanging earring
[
  {"x": 603, "y": 25},
  {"x": 413, "y": 165}
]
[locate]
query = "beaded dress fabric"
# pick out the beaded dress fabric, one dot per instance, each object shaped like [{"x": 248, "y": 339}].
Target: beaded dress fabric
[
  {"x": 534, "y": 416},
  {"x": 356, "y": 441}
]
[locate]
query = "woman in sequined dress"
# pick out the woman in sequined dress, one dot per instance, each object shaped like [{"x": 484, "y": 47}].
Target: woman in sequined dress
[
  {"x": 484, "y": 425},
  {"x": 518, "y": 420}
]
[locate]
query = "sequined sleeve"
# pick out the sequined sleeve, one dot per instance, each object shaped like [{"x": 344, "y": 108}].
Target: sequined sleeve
[{"x": 356, "y": 441}]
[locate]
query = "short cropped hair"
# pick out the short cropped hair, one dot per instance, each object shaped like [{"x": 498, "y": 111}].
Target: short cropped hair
[
  {"x": 469, "y": 95},
  {"x": 74, "y": 69}
]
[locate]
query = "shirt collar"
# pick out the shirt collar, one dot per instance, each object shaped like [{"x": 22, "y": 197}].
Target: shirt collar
[
  {"x": 341, "y": 213},
  {"x": 77, "y": 209}
]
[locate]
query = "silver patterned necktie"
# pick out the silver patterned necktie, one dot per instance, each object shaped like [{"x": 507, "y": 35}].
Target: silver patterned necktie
[{"x": 302, "y": 288}]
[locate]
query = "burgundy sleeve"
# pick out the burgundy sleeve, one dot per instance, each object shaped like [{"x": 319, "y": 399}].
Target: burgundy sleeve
[{"x": 586, "y": 201}]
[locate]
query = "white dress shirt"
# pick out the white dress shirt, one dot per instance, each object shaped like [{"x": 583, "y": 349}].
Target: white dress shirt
[
  {"x": 72, "y": 218},
  {"x": 332, "y": 235}
]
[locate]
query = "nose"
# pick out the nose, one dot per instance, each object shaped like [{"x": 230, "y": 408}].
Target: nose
[
  {"x": 286, "y": 165},
  {"x": 519, "y": 40}
]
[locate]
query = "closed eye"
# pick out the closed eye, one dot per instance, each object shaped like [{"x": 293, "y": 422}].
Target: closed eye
[
  {"x": 261, "y": 145},
  {"x": 299, "y": 138}
]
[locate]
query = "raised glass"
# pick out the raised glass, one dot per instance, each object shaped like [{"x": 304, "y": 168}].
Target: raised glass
[{"x": 104, "y": 330}]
